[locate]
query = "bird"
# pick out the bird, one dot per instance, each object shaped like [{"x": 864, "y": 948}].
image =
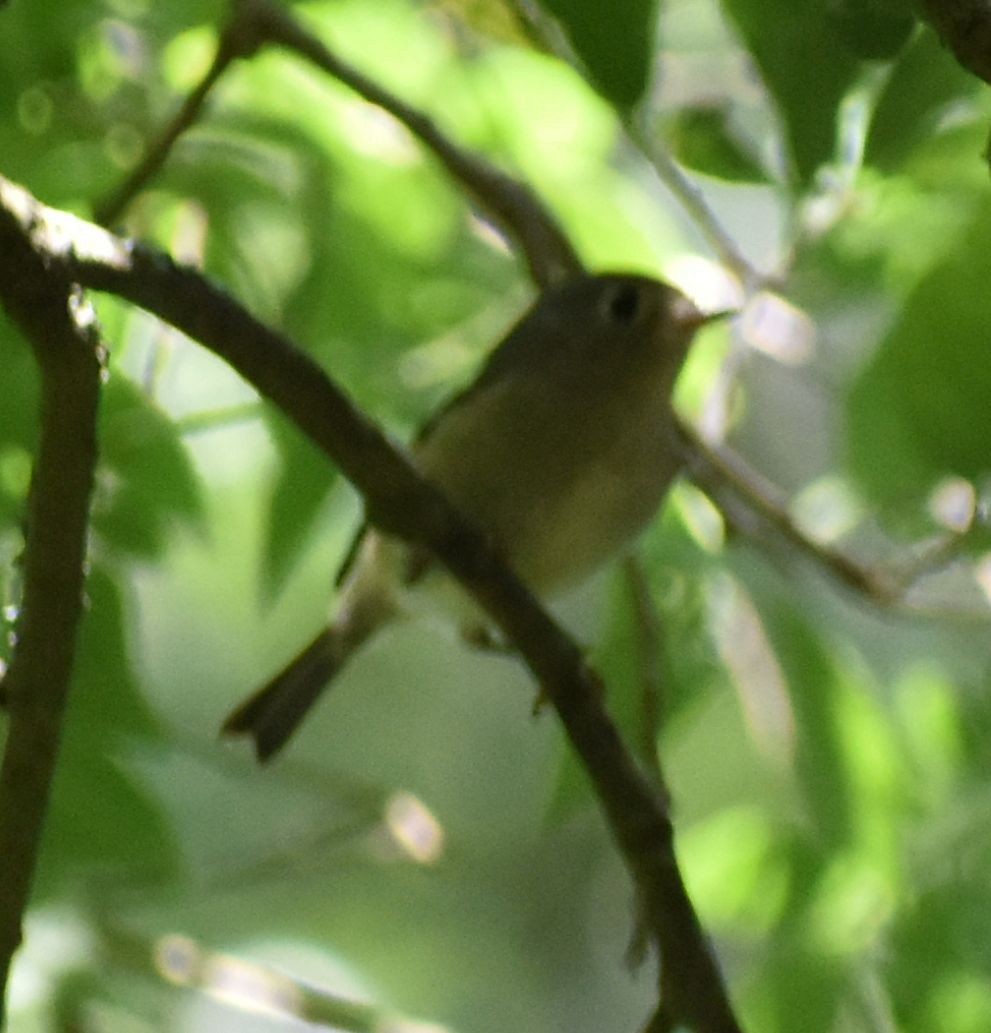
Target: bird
[{"x": 560, "y": 451}]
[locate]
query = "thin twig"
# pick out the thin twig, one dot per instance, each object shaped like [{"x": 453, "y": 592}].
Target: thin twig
[
  {"x": 60, "y": 329},
  {"x": 718, "y": 471},
  {"x": 681, "y": 186},
  {"x": 508, "y": 201},
  {"x": 650, "y": 654},
  {"x": 714, "y": 468},
  {"x": 545, "y": 33},
  {"x": 690, "y": 197},
  {"x": 237, "y": 40},
  {"x": 243, "y": 986},
  {"x": 400, "y": 502}
]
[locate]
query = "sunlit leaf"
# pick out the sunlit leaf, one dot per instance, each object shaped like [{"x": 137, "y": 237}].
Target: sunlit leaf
[
  {"x": 913, "y": 412},
  {"x": 735, "y": 869}
]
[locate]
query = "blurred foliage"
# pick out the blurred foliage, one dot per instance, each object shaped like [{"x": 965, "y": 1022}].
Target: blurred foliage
[
  {"x": 615, "y": 42},
  {"x": 912, "y": 411},
  {"x": 873, "y": 28},
  {"x": 425, "y": 846},
  {"x": 806, "y": 67}
]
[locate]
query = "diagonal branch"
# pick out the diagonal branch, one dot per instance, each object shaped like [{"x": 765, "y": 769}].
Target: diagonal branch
[
  {"x": 509, "y": 202},
  {"x": 689, "y": 195},
  {"x": 641, "y": 135},
  {"x": 238, "y": 39},
  {"x": 716, "y": 470},
  {"x": 59, "y": 326},
  {"x": 737, "y": 488},
  {"x": 400, "y": 502}
]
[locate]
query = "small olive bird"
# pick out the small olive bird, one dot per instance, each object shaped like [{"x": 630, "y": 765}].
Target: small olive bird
[{"x": 560, "y": 451}]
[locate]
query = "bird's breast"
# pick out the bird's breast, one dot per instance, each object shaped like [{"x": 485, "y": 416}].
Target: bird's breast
[{"x": 560, "y": 489}]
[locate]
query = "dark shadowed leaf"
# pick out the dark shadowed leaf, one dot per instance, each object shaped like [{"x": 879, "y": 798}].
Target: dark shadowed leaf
[
  {"x": 305, "y": 477},
  {"x": 873, "y": 29},
  {"x": 924, "y": 85},
  {"x": 103, "y": 824},
  {"x": 701, "y": 139},
  {"x": 616, "y": 42},
  {"x": 806, "y": 66},
  {"x": 146, "y": 482}
]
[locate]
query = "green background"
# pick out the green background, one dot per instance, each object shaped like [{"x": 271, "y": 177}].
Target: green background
[{"x": 828, "y": 758}]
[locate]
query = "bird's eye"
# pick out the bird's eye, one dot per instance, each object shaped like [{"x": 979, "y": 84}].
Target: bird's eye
[{"x": 623, "y": 303}]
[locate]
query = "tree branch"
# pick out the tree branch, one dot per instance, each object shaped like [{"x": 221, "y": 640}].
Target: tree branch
[
  {"x": 238, "y": 39},
  {"x": 715, "y": 470},
  {"x": 686, "y": 192},
  {"x": 693, "y": 201},
  {"x": 400, "y": 502},
  {"x": 510, "y": 203},
  {"x": 735, "y": 487},
  {"x": 49, "y": 311},
  {"x": 247, "y": 986}
]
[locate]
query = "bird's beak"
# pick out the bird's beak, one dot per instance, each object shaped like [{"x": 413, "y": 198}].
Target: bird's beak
[
  {"x": 714, "y": 317},
  {"x": 690, "y": 317}
]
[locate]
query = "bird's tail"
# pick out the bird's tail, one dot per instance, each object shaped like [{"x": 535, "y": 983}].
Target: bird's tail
[{"x": 272, "y": 714}]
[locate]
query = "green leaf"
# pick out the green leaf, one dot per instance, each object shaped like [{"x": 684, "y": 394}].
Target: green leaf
[
  {"x": 101, "y": 819},
  {"x": 701, "y": 139},
  {"x": 874, "y": 29},
  {"x": 19, "y": 397},
  {"x": 816, "y": 694},
  {"x": 923, "y": 83},
  {"x": 616, "y": 42},
  {"x": 305, "y": 477},
  {"x": 686, "y": 676},
  {"x": 919, "y": 410},
  {"x": 146, "y": 480},
  {"x": 806, "y": 67},
  {"x": 18, "y": 423}
]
